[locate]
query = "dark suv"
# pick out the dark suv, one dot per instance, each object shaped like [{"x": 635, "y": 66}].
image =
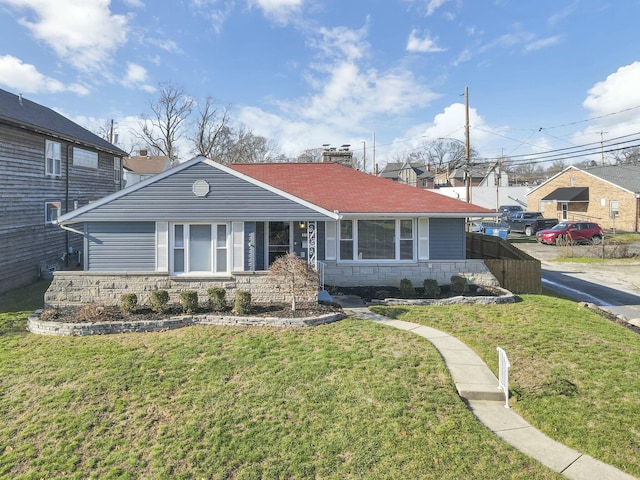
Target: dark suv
[
  {"x": 507, "y": 210},
  {"x": 571, "y": 232}
]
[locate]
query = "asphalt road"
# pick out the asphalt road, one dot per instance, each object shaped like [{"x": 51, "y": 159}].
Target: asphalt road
[{"x": 614, "y": 286}]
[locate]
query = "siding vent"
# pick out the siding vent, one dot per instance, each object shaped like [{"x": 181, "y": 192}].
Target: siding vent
[{"x": 200, "y": 188}]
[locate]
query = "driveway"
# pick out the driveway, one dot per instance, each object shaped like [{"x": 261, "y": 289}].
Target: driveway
[{"x": 613, "y": 286}]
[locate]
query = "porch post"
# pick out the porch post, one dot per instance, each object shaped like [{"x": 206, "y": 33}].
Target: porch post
[{"x": 312, "y": 241}]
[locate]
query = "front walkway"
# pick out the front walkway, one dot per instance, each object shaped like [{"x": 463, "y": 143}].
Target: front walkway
[{"x": 478, "y": 387}]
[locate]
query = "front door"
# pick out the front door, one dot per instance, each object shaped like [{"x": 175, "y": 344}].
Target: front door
[{"x": 279, "y": 240}]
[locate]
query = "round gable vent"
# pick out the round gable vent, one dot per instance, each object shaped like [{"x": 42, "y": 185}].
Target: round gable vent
[{"x": 200, "y": 188}]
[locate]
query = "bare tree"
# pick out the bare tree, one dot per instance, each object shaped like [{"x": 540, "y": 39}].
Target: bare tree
[
  {"x": 170, "y": 112},
  {"x": 294, "y": 274},
  {"x": 310, "y": 155},
  {"x": 211, "y": 128},
  {"x": 628, "y": 156}
]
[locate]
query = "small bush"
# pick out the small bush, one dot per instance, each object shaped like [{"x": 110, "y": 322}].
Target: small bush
[
  {"x": 50, "y": 314},
  {"x": 128, "y": 302},
  {"x": 91, "y": 312},
  {"x": 431, "y": 288},
  {"x": 159, "y": 300},
  {"x": 242, "y": 303},
  {"x": 189, "y": 301},
  {"x": 217, "y": 299},
  {"x": 406, "y": 288},
  {"x": 459, "y": 284}
]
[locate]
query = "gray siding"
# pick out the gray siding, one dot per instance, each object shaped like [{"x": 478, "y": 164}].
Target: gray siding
[
  {"x": 125, "y": 247},
  {"x": 447, "y": 239},
  {"x": 25, "y": 240},
  {"x": 230, "y": 199}
]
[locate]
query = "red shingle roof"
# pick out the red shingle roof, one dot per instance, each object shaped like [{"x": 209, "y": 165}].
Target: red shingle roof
[{"x": 336, "y": 187}]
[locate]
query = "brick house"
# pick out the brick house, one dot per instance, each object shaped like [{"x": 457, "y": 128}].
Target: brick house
[{"x": 608, "y": 195}]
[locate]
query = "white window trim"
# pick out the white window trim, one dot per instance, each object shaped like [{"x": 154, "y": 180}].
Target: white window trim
[
  {"x": 186, "y": 247},
  {"x": 117, "y": 170},
  {"x": 56, "y": 160},
  {"x": 57, "y": 205},
  {"x": 397, "y": 259}
]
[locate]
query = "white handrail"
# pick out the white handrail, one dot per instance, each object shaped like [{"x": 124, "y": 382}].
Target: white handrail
[{"x": 503, "y": 375}]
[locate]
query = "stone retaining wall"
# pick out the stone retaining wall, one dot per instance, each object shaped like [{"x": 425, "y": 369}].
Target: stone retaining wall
[
  {"x": 70, "y": 288},
  {"x": 35, "y": 325},
  {"x": 390, "y": 274}
]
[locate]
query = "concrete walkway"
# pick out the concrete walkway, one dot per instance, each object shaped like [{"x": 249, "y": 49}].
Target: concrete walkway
[{"x": 478, "y": 386}]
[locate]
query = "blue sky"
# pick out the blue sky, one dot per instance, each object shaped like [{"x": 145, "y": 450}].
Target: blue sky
[{"x": 541, "y": 75}]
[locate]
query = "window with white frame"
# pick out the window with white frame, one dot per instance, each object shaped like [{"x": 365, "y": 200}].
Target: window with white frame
[
  {"x": 53, "y": 159},
  {"x": 377, "y": 239},
  {"x": 117, "y": 170},
  {"x": 199, "y": 248},
  {"x": 51, "y": 211}
]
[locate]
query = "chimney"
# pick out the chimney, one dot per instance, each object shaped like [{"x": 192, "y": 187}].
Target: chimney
[{"x": 20, "y": 99}]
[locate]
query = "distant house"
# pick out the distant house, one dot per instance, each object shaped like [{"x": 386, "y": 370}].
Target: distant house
[
  {"x": 49, "y": 165},
  {"x": 456, "y": 177},
  {"x": 409, "y": 173},
  {"x": 203, "y": 223},
  {"x": 142, "y": 166},
  {"x": 608, "y": 195}
]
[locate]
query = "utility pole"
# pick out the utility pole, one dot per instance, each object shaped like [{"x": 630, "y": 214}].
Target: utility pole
[
  {"x": 364, "y": 157},
  {"x": 374, "y": 169},
  {"x": 467, "y": 149},
  {"x": 602, "y": 148}
]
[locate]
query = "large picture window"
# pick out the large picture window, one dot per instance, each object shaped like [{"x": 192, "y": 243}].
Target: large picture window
[
  {"x": 377, "y": 239},
  {"x": 199, "y": 248}
]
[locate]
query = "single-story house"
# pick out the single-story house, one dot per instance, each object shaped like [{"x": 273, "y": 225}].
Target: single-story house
[
  {"x": 608, "y": 195},
  {"x": 203, "y": 223}
]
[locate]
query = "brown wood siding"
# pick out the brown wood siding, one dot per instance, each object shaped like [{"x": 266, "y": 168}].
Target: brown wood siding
[{"x": 25, "y": 239}]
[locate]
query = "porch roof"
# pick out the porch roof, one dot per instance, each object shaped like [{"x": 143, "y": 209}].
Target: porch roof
[
  {"x": 345, "y": 190},
  {"x": 569, "y": 194}
]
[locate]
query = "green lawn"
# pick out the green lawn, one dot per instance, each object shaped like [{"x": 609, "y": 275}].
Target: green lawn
[
  {"x": 574, "y": 375},
  {"x": 351, "y": 399}
]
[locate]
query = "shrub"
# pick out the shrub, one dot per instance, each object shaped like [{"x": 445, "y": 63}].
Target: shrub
[
  {"x": 459, "y": 284},
  {"x": 189, "y": 301},
  {"x": 406, "y": 288},
  {"x": 159, "y": 300},
  {"x": 128, "y": 302},
  {"x": 242, "y": 303},
  {"x": 217, "y": 299},
  {"x": 295, "y": 275},
  {"x": 91, "y": 312},
  {"x": 50, "y": 314},
  {"x": 431, "y": 288}
]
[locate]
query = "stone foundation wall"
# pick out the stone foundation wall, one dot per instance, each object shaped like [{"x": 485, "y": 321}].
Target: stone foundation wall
[
  {"x": 76, "y": 288},
  {"x": 384, "y": 274}
]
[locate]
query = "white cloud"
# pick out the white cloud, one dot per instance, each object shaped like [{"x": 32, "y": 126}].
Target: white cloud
[
  {"x": 424, "y": 45},
  {"x": 136, "y": 77},
  {"x": 342, "y": 43},
  {"x": 433, "y": 5},
  {"x": 613, "y": 105},
  {"x": 542, "y": 43},
  {"x": 84, "y": 34},
  {"x": 134, "y": 3},
  {"x": 281, "y": 11},
  {"x": 25, "y": 78}
]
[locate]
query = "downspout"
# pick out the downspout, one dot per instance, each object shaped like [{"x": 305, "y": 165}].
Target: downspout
[{"x": 66, "y": 207}]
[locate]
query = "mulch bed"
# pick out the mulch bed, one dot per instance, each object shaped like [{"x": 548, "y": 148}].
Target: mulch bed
[{"x": 101, "y": 313}]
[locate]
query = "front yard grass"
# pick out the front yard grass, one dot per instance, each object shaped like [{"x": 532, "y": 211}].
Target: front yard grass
[
  {"x": 351, "y": 399},
  {"x": 574, "y": 374}
]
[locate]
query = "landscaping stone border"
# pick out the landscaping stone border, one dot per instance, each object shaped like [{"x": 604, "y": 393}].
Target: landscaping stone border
[
  {"x": 504, "y": 297},
  {"x": 35, "y": 325}
]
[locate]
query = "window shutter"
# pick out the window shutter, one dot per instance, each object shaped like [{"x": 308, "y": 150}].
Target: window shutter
[
  {"x": 237, "y": 239},
  {"x": 162, "y": 247},
  {"x": 330, "y": 240},
  {"x": 423, "y": 239}
]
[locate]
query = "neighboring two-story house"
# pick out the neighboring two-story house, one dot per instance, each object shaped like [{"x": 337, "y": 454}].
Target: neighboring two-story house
[
  {"x": 137, "y": 168},
  {"x": 49, "y": 166},
  {"x": 409, "y": 173}
]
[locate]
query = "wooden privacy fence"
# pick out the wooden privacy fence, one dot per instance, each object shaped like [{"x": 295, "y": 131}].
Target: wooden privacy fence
[{"x": 516, "y": 271}]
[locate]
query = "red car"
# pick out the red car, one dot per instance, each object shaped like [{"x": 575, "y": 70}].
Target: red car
[{"x": 571, "y": 232}]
